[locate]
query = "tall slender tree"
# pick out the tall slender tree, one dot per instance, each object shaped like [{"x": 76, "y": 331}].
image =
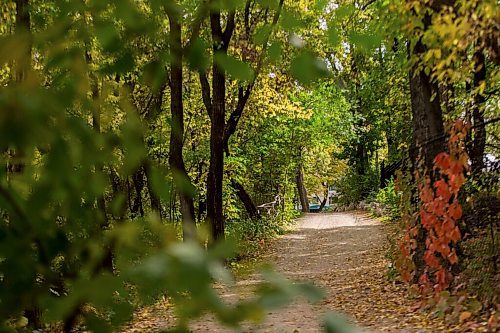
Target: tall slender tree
[
  {"x": 181, "y": 178},
  {"x": 214, "y": 97}
]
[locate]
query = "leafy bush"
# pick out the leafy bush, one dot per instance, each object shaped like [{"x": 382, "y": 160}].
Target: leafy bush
[
  {"x": 252, "y": 234},
  {"x": 354, "y": 188},
  {"x": 390, "y": 199}
]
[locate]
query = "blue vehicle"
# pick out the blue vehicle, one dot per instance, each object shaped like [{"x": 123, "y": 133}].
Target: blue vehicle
[{"x": 314, "y": 207}]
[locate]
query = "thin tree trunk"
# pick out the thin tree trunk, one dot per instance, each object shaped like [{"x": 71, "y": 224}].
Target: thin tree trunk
[
  {"x": 220, "y": 132},
  {"x": 23, "y": 25},
  {"x": 245, "y": 198},
  {"x": 119, "y": 188},
  {"x": 21, "y": 68},
  {"x": 154, "y": 199},
  {"x": 180, "y": 176},
  {"x": 325, "y": 199},
  {"x": 301, "y": 189},
  {"x": 138, "y": 181},
  {"x": 479, "y": 134},
  {"x": 216, "y": 168}
]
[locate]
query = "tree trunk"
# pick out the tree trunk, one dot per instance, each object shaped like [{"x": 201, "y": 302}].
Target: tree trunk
[
  {"x": 23, "y": 26},
  {"x": 245, "y": 198},
  {"x": 428, "y": 132},
  {"x": 154, "y": 199},
  {"x": 427, "y": 118},
  {"x": 138, "y": 181},
  {"x": 119, "y": 188},
  {"x": 479, "y": 132},
  {"x": 325, "y": 200},
  {"x": 176, "y": 160},
  {"x": 216, "y": 169},
  {"x": 301, "y": 189},
  {"x": 21, "y": 68}
]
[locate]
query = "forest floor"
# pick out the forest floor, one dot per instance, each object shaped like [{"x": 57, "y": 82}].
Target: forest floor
[{"x": 344, "y": 253}]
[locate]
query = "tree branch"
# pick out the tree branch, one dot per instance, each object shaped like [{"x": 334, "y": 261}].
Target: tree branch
[
  {"x": 234, "y": 118},
  {"x": 228, "y": 32},
  {"x": 244, "y": 94},
  {"x": 196, "y": 25},
  {"x": 205, "y": 92}
]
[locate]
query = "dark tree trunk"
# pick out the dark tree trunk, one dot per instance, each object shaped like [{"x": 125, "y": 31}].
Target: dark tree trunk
[
  {"x": 479, "y": 131},
  {"x": 361, "y": 159},
  {"x": 427, "y": 118},
  {"x": 96, "y": 125},
  {"x": 245, "y": 198},
  {"x": 154, "y": 199},
  {"x": 176, "y": 160},
  {"x": 428, "y": 132},
  {"x": 23, "y": 26},
  {"x": 216, "y": 169},
  {"x": 138, "y": 181},
  {"x": 220, "y": 132},
  {"x": 301, "y": 189},
  {"x": 325, "y": 200},
  {"x": 21, "y": 68},
  {"x": 119, "y": 188}
]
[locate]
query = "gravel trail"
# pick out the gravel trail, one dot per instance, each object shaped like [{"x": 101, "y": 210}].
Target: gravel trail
[{"x": 344, "y": 253}]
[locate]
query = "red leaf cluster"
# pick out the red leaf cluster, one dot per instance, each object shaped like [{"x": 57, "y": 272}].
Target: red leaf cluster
[{"x": 440, "y": 211}]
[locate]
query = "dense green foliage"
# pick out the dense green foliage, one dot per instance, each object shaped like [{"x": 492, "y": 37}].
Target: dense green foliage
[{"x": 124, "y": 124}]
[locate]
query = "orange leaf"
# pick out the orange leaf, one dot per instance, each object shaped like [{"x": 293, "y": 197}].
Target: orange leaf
[
  {"x": 452, "y": 257},
  {"x": 464, "y": 316}
]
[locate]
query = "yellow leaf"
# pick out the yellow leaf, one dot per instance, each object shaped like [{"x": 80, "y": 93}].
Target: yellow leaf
[{"x": 464, "y": 316}]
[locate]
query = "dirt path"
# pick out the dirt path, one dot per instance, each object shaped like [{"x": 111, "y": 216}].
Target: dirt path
[{"x": 343, "y": 253}]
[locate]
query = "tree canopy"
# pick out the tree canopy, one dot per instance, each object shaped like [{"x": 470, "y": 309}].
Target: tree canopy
[{"x": 128, "y": 126}]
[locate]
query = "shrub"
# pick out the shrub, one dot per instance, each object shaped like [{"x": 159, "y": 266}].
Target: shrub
[{"x": 389, "y": 198}]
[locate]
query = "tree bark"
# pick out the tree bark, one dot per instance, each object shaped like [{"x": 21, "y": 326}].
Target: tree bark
[
  {"x": 216, "y": 168},
  {"x": 220, "y": 132},
  {"x": 119, "y": 188},
  {"x": 138, "y": 181},
  {"x": 325, "y": 200},
  {"x": 154, "y": 199},
  {"x": 21, "y": 68},
  {"x": 245, "y": 198},
  {"x": 216, "y": 108},
  {"x": 301, "y": 189},
  {"x": 428, "y": 131},
  {"x": 427, "y": 118},
  {"x": 479, "y": 131},
  {"x": 176, "y": 160}
]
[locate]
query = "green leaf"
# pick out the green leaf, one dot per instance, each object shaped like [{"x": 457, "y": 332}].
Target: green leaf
[
  {"x": 154, "y": 75},
  {"x": 275, "y": 52},
  {"x": 273, "y": 4},
  {"x": 197, "y": 55},
  {"x": 307, "y": 68},
  {"x": 290, "y": 21},
  {"x": 123, "y": 63},
  {"x": 333, "y": 35},
  {"x": 226, "y": 4},
  {"x": 160, "y": 184},
  {"x": 262, "y": 33},
  {"x": 344, "y": 11},
  {"x": 108, "y": 36},
  {"x": 237, "y": 69},
  {"x": 320, "y": 5},
  {"x": 184, "y": 183},
  {"x": 365, "y": 41},
  {"x": 335, "y": 323}
]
